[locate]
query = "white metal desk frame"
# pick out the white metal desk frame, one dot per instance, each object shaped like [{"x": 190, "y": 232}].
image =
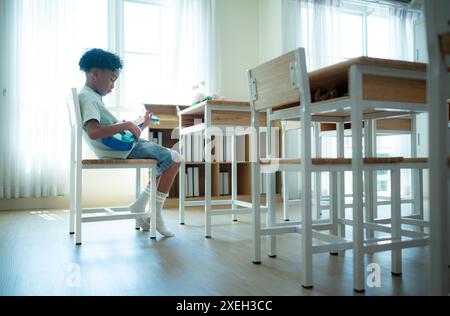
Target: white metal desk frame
[
  {"x": 208, "y": 129},
  {"x": 359, "y": 245},
  {"x": 372, "y": 203},
  {"x": 358, "y": 104}
]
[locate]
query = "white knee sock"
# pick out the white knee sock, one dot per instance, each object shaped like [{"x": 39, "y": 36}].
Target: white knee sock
[
  {"x": 139, "y": 206},
  {"x": 141, "y": 202},
  {"x": 160, "y": 226}
]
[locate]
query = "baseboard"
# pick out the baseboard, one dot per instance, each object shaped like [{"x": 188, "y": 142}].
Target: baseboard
[
  {"x": 58, "y": 202},
  {"x": 62, "y": 202}
]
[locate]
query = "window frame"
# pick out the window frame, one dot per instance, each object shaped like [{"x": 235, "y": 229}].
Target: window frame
[{"x": 116, "y": 43}]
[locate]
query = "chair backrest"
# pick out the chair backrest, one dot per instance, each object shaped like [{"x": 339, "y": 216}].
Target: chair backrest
[
  {"x": 73, "y": 106},
  {"x": 280, "y": 81}
]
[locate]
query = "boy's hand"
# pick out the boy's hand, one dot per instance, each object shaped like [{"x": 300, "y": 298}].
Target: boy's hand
[
  {"x": 147, "y": 119},
  {"x": 134, "y": 129}
]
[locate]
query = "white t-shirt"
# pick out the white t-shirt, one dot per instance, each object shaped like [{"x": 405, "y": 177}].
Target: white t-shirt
[{"x": 93, "y": 108}]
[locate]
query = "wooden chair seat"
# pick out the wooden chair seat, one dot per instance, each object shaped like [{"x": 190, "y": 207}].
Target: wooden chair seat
[
  {"x": 332, "y": 161},
  {"x": 118, "y": 161}
]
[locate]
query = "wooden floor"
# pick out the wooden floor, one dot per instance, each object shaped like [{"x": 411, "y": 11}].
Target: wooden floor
[{"x": 39, "y": 257}]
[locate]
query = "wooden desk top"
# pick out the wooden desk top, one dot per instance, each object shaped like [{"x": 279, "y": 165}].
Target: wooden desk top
[
  {"x": 332, "y": 83},
  {"x": 200, "y": 108},
  {"x": 337, "y": 75}
]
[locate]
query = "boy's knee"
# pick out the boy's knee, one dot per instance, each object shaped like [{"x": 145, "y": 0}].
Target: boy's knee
[{"x": 176, "y": 157}]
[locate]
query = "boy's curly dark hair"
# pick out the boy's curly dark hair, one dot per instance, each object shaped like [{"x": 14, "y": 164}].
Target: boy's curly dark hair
[{"x": 98, "y": 58}]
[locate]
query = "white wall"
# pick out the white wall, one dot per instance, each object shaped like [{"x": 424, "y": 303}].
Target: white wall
[
  {"x": 237, "y": 45},
  {"x": 270, "y": 40}
]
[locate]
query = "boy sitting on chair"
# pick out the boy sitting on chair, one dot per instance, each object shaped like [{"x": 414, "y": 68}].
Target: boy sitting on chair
[{"x": 102, "y": 69}]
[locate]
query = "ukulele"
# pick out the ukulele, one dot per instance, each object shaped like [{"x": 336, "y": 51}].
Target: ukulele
[{"x": 124, "y": 140}]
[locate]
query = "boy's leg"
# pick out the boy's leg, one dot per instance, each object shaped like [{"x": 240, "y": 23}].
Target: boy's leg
[
  {"x": 139, "y": 206},
  {"x": 164, "y": 184},
  {"x": 167, "y": 169}
]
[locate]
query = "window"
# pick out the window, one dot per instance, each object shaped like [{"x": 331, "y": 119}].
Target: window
[
  {"x": 86, "y": 36},
  {"x": 335, "y": 31},
  {"x": 163, "y": 44},
  {"x": 142, "y": 52},
  {"x": 377, "y": 29},
  {"x": 332, "y": 33},
  {"x": 351, "y": 27}
]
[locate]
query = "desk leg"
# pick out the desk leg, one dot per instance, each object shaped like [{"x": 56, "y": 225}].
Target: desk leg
[
  {"x": 256, "y": 192},
  {"x": 233, "y": 177},
  {"x": 419, "y": 197},
  {"x": 340, "y": 181},
  {"x": 317, "y": 175},
  {"x": 153, "y": 203},
  {"x": 256, "y": 204},
  {"x": 396, "y": 255},
  {"x": 334, "y": 216},
  {"x": 284, "y": 188},
  {"x": 368, "y": 176},
  {"x": 182, "y": 177},
  {"x": 270, "y": 187},
  {"x": 207, "y": 174},
  {"x": 307, "y": 210},
  {"x": 357, "y": 167}
]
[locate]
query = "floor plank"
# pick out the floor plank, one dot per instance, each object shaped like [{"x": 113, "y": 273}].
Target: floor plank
[{"x": 39, "y": 258}]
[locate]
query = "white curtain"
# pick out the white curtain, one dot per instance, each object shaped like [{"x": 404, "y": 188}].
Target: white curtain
[
  {"x": 317, "y": 25},
  {"x": 39, "y": 53},
  {"x": 188, "y": 52},
  {"x": 401, "y": 29},
  {"x": 314, "y": 25},
  {"x": 36, "y": 56}
]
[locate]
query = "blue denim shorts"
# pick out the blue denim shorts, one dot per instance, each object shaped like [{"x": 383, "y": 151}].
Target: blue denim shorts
[{"x": 150, "y": 150}]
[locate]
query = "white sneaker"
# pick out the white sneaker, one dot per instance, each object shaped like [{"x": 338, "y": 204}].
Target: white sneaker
[{"x": 143, "y": 223}]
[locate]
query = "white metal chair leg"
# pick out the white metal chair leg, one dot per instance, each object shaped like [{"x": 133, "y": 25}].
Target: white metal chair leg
[
  {"x": 284, "y": 188},
  {"x": 334, "y": 205},
  {"x": 341, "y": 206},
  {"x": 153, "y": 203},
  {"x": 72, "y": 205},
  {"x": 272, "y": 213},
  {"x": 137, "y": 188},
  {"x": 78, "y": 205},
  {"x": 285, "y": 194},
  {"x": 316, "y": 195},
  {"x": 307, "y": 264},
  {"x": 396, "y": 255}
]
